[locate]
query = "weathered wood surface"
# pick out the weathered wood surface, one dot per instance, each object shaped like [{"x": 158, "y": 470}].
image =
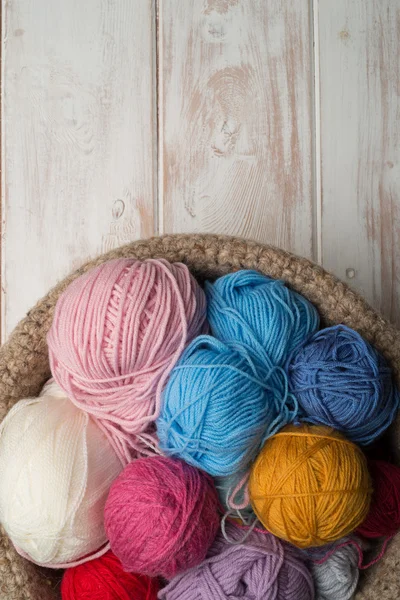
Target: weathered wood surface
[
  {"x": 360, "y": 146},
  {"x": 235, "y": 119},
  {"x": 270, "y": 119},
  {"x": 78, "y": 138}
]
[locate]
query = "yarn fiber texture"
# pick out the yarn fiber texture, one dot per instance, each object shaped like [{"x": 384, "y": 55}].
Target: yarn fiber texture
[
  {"x": 219, "y": 405},
  {"x": 104, "y": 579},
  {"x": 337, "y": 577},
  {"x": 261, "y": 568},
  {"x": 117, "y": 332},
  {"x": 341, "y": 381},
  {"x": 56, "y": 468},
  {"x": 310, "y": 486},
  {"x": 161, "y": 516},
  {"x": 383, "y": 518},
  {"x": 261, "y": 313}
]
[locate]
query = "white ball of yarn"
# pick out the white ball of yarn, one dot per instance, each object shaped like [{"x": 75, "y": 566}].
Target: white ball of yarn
[
  {"x": 337, "y": 577},
  {"x": 56, "y": 468}
]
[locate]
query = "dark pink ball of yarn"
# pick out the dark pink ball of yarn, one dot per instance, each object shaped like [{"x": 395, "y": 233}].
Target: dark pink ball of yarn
[
  {"x": 161, "y": 516},
  {"x": 117, "y": 332}
]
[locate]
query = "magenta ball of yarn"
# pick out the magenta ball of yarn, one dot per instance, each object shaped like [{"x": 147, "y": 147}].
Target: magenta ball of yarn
[
  {"x": 117, "y": 332},
  {"x": 161, "y": 516},
  {"x": 259, "y": 568}
]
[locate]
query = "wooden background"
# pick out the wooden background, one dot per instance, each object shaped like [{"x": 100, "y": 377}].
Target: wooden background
[{"x": 278, "y": 120}]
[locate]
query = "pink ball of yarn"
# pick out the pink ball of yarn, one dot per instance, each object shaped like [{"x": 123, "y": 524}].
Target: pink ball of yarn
[
  {"x": 117, "y": 332},
  {"x": 161, "y": 516}
]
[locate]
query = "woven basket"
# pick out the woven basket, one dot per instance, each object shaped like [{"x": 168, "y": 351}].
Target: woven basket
[{"x": 24, "y": 365}]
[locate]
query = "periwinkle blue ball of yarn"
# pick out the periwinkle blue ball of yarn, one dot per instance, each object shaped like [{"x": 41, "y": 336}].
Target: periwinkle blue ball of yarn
[
  {"x": 261, "y": 313},
  {"x": 340, "y": 380},
  {"x": 219, "y": 405}
]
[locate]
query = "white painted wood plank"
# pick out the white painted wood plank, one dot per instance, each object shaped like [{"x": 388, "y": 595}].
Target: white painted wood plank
[
  {"x": 360, "y": 145},
  {"x": 78, "y": 138},
  {"x": 235, "y": 119}
]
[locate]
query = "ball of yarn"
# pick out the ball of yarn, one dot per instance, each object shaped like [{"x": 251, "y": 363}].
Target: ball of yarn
[
  {"x": 340, "y": 380},
  {"x": 261, "y": 568},
  {"x": 117, "y": 332},
  {"x": 56, "y": 468},
  {"x": 104, "y": 579},
  {"x": 261, "y": 313},
  {"x": 218, "y": 407},
  {"x": 383, "y": 518},
  {"x": 337, "y": 577},
  {"x": 310, "y": 486},
  {"x": 161, "y": 516}
]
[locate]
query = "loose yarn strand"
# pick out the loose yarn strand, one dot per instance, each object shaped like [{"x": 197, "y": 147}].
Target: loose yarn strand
[
  {"x": 249, "y": 529},
  {"x": 360, "y": 552}
]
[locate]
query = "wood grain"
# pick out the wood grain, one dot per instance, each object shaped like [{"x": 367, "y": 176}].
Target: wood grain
[
  {"x": 360, "y": 146},
  {"x": 235, "y": 105},
  {"x": 78, "y": 138}
]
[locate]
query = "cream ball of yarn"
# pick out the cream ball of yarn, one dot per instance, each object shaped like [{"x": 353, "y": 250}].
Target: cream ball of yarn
[{"x": 56, "y": 468}]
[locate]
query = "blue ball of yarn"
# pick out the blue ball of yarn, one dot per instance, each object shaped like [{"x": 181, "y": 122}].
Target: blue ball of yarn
[
  {"x": 340, "y": 380},
  {"x": 261, "y": 313},
  {"x": 219, "y": 405}
]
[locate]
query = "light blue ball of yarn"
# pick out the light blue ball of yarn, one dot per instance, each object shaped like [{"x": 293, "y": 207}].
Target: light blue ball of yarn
[
  {"x": 219, "y": 405},
  {"x": 341, "y": 381},
  {"x": 261, "y": 313}
]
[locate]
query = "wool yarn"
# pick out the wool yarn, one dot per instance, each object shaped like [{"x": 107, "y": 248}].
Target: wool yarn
[
  {"x": 261, "y": 568},
  {"x": 104, "y": 579},
  {"x": 232, "y": 494},
  {"x": 117, "y": 332},
  {"x": 56, "y": 468},
  {"x": 261, "y": 313},
  {"x": 219, "y": 405},
  {"x": 337, "y": 577},
  {"x": 340, "y": 380},
  {"x": 310, "y": 486},
  {"x": 383, "y": 518},
  {"x": 161, "y": 516}
]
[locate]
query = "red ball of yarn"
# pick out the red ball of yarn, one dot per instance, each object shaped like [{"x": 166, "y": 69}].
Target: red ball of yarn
[
  {"x": 104, "y": 579},
  {"x": 161, "y": 516},
  {"x": 383, "y": 519}
]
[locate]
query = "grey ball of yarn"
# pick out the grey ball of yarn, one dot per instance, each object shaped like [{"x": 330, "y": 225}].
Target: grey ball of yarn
[{"x": 337, "y": 577}]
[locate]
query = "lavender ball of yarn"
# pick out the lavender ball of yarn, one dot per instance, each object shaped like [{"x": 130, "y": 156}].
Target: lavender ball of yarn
[
  {"x": 260, "y": 568},
  {"x": 337, "y": 577}
]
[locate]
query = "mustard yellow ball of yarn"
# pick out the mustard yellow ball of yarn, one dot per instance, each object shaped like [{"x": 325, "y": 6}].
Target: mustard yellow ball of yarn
[{"x": 310, "y": 486}]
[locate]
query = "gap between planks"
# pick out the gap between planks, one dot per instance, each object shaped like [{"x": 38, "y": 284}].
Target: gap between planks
[{"x": 316, "y": 132}]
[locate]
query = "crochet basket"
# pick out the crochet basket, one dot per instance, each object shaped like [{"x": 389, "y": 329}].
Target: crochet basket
[{"x": 24, "y": 366}]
